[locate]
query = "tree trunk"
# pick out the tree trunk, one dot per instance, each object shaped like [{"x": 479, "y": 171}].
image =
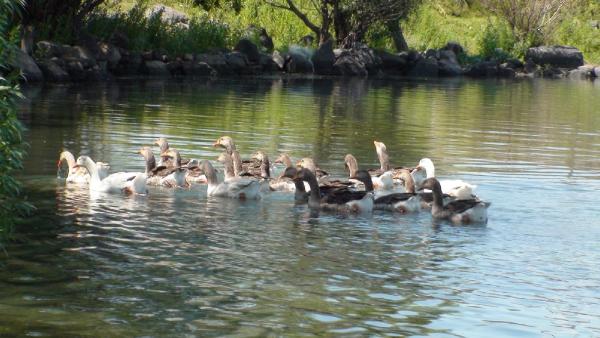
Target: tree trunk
[
  {"x": 27, "y": 38},
  {"x": 395, "y": 30}
]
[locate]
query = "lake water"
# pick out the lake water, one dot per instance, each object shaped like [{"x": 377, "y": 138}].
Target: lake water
[{"x": 176, "y": 264}]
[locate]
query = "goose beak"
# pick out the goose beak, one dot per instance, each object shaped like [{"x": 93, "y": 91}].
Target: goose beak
[
  {"x": 299, "y": 163},
  {"x": 417, "y": 168},
  {"x": 216, "y": 144}
]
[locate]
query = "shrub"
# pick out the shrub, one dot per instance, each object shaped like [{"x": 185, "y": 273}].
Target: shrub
[
  {"x": 532, "y": 22},
  {"x": 151, "y": 33},
  {"x": 498, "y": 41},
  {"x": 12, "y": 204}
]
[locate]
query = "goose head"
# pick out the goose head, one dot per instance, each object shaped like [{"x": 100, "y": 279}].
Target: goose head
[
  {"x": 290, "y": 172},
  {"x": 351, "y": 165},
  {"x": 307, "y": 163},
  {"x": 174, "y": 154},
  {"x": 419, "y": 174},
  {"x": 433, "y": 184},
  {"x": 225, "y": 142},
  {"x": 384, "y": 159},
  {"x": 284, "y": 159},
  {"x": 364, "y": 177},
  {"x": 427, "y": 164},
  {"x": 162, "y": 143}
]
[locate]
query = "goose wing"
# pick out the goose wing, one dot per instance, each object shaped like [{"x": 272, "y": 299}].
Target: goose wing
[{"x": 393, "y": 198}]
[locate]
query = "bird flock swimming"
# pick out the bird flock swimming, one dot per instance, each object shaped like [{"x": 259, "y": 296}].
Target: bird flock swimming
[{"x": 394, "y": 189}]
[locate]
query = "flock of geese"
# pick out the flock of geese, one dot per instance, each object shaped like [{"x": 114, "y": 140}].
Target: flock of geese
[{"x": 395, "y": 189}]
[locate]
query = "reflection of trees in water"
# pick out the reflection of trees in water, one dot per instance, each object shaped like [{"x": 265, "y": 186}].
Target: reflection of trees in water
[{"x": 325, "y": 118}]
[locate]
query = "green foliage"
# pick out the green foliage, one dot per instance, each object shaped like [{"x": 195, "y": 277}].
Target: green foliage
[
  {"x": 498, "y": 41},
  {"x": 151, "y": 33},
  {"x": 431, "y": 26},
  {"x": 12, "y": 205},
  {"x": 582, "y": 30}
]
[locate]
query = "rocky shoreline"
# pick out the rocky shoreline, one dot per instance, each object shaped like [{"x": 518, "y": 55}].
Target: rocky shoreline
[{"x": 98, "y": 61}]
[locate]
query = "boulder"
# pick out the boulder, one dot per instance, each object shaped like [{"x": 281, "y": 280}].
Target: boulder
[
  {"x": 110, "y": 53},
  {"x": 596, "y": 71},
  {"x": 455, "y": 47},
  {"x": 298, "y": 63},
  {"x": 446, "y": 54},
  {"x": 267, "y": 64},
  {"x": 555, "y": 56},
  {"x": 582, "y": 72},
  {"x": 449, "y": 67},
  {"x": 130, "y": 64},
  {"x": 155, "y": 68},
  {"x": 53, "y": 71},
  {"x": 167, "y": 14},
  {"x": 279, "y": 59},
  {"x": 323, "y": 58},
  {"x": 432, "y": 53},
  {"x": 506, "y": 70},
  {"x": 237, "y": 63},
  {"x": 197, "y": 69},
  {"x": 427, "y": 67},
  {"x": 81, "y": 54},
  {"x": 348, "y": 65},
  {"x": 175, "y": 67},
  {"x": 30, "y": 70},
  {"x": 368, "y": 57},
  {"x": 216, "y": 61},
  {"x": 188, "y": 57},
  {"x": 76, "y": 70},
  {"x": 393, "y": 62},
  {"x": 249, "y": 49},
  {"x": 552, "y": 72},
  {"x": 48, "y": 49},
  {"x": 482, "y": 69}
]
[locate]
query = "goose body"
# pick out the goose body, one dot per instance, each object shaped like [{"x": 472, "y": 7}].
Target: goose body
[
  {"x": 171, "y": 177},
  {"x": 134, "y": 183},
  {"x": 340, "y": 200},
  {"x": 234, "y": 187},
  {"x": 403, "y": 202},
  {"x": 457, "y": 211}
]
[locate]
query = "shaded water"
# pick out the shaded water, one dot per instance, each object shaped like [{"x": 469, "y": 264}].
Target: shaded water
[{"x": 176, "y": 264}]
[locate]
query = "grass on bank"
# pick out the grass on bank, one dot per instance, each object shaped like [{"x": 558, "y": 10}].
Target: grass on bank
[{"x": 431, "y": 26}]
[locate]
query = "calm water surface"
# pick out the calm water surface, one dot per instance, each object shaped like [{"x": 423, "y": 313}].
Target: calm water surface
[{"x": 176, "y": 264}]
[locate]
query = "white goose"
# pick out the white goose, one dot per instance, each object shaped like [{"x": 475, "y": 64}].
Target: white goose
[
  {"x": 75, "y": 174},
  {"x": 458, "y": 189},
  {"x": 130, "y": 183},
  {"x": 234, "y": 187}
]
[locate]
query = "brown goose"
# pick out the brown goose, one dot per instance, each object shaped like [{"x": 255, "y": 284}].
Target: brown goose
[
  {"x": 162, "y": 175},
  {"x": 384, "y": 162},
  {"x": 457, "y": 211},
  {"x": 163, "y": 144},
  {"x": 240, "y": 165}
]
